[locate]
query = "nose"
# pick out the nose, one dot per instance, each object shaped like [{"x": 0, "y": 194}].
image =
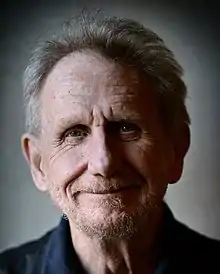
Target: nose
[{"x": 102, "y": 158}]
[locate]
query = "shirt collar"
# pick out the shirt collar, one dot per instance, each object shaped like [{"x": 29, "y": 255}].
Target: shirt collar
[{"x": 60, "y": 256}]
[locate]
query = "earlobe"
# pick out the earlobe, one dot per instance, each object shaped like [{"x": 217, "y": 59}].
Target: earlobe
[
  {"x": 181, "y": 147},
  {"x": 176, "y": 173},
  {"x": 32, "y": 154}
]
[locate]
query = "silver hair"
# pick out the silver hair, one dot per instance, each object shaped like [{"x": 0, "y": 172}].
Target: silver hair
[{"x": 122, "y": 40}]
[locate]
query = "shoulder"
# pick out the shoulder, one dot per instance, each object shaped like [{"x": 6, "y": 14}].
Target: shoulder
[
  {"x": 18, "y": 259},
  {"x": 195, "y": 252},
  {"x": 197, "y": 240},
  {"x": 186, "y": 250},
  {"x": 179, "y": 234}
]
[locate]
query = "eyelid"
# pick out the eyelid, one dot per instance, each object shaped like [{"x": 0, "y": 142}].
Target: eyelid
[
  {"x": 111, "y": 123},
  {"x": 79, "y": 127},
  {"x": 116, "y": 127},
  {"x": 60, "y": 137},
  {"x": 130, "y": 124}
]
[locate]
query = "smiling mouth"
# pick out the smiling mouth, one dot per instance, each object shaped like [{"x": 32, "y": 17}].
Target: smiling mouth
[{"x": 114, "y": 191}]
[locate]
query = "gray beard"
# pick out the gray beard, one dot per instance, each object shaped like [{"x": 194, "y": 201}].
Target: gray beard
[{"x": 124, "y": 227}]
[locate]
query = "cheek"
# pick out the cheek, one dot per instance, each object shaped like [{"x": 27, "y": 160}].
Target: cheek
[
  {"x": 66, "y": 165},
  {"x": 149, "y": 160},
  {"x": 62, "y": 169}
]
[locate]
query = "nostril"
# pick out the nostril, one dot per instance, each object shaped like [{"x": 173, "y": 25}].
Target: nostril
[{"x": 101, "y": 164}]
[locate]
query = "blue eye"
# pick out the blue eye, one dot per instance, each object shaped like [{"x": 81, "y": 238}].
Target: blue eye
[{"x": 78, "y": 132}]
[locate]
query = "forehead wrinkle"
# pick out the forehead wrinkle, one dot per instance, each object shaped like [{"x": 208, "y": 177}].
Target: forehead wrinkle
[
  {"x": 76, "y": 90},
  {"x": 82, "y": 81},
  {"x": 71, "y": 116},
  {"x": 66, "y": 106},
  {"x": 96, "y": 72},
  {"x": 98, "y": 118}
]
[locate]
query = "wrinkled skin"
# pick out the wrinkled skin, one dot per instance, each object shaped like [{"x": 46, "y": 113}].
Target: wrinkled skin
[{"x": 102, "y": 153}]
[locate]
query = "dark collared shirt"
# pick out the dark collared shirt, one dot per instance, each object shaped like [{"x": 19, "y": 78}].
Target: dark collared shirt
[{"x": 182, "y": 251}]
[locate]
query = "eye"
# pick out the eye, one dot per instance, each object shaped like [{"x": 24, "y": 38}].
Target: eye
[
  {"x": 77, "y": 132},
  {"x": 127, "y": 127},
  {"x": 125, "y": 130},
  {"x": 129, "y": 131}
]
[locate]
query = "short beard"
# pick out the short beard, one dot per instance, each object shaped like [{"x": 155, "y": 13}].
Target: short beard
[{"x": 124, "y": 227}]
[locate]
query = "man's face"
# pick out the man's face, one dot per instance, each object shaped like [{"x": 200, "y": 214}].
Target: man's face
[{"x": 105, "y": 159}]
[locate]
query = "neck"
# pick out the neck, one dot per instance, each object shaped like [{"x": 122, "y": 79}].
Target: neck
[{"x": 137, "y": 254}]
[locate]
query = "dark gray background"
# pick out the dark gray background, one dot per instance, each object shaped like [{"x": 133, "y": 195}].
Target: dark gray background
[{"x": 191, "y": 30}]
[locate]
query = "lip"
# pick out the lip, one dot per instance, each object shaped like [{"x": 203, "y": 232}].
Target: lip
[{"x": 113, "y": 191}]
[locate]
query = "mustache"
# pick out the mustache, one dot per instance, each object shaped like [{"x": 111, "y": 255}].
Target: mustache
[{"x": 100, "y": 185}]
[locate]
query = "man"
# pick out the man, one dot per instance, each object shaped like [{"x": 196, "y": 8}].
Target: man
[{"x": 107, "y": 131}]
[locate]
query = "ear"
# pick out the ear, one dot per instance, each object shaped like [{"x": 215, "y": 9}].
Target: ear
[
  {"x": 180, "y": 148},
  {"x": 32, "y": 154}
]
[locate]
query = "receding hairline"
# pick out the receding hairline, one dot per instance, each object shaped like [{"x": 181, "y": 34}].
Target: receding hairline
[
  {"x": 94, "y": 37},
  {"x": 144, "y": 84}
]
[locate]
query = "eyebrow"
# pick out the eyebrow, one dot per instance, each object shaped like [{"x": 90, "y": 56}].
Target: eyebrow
[
  {"x": 82, "y": 116},
  {"x": 126, "y": 118},
  {"x": 71, "y": 121}
]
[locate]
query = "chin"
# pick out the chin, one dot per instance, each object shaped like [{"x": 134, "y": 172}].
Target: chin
[
  {"x": 110, "y": 217},
  {"x": 112, "y": 227},
  {"x": 110, "y": 224}
]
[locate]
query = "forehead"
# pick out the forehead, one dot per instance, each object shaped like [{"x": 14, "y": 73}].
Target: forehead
[
  {"x": 85, "y": 79},
  {"x": 81, "y": 72}
]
